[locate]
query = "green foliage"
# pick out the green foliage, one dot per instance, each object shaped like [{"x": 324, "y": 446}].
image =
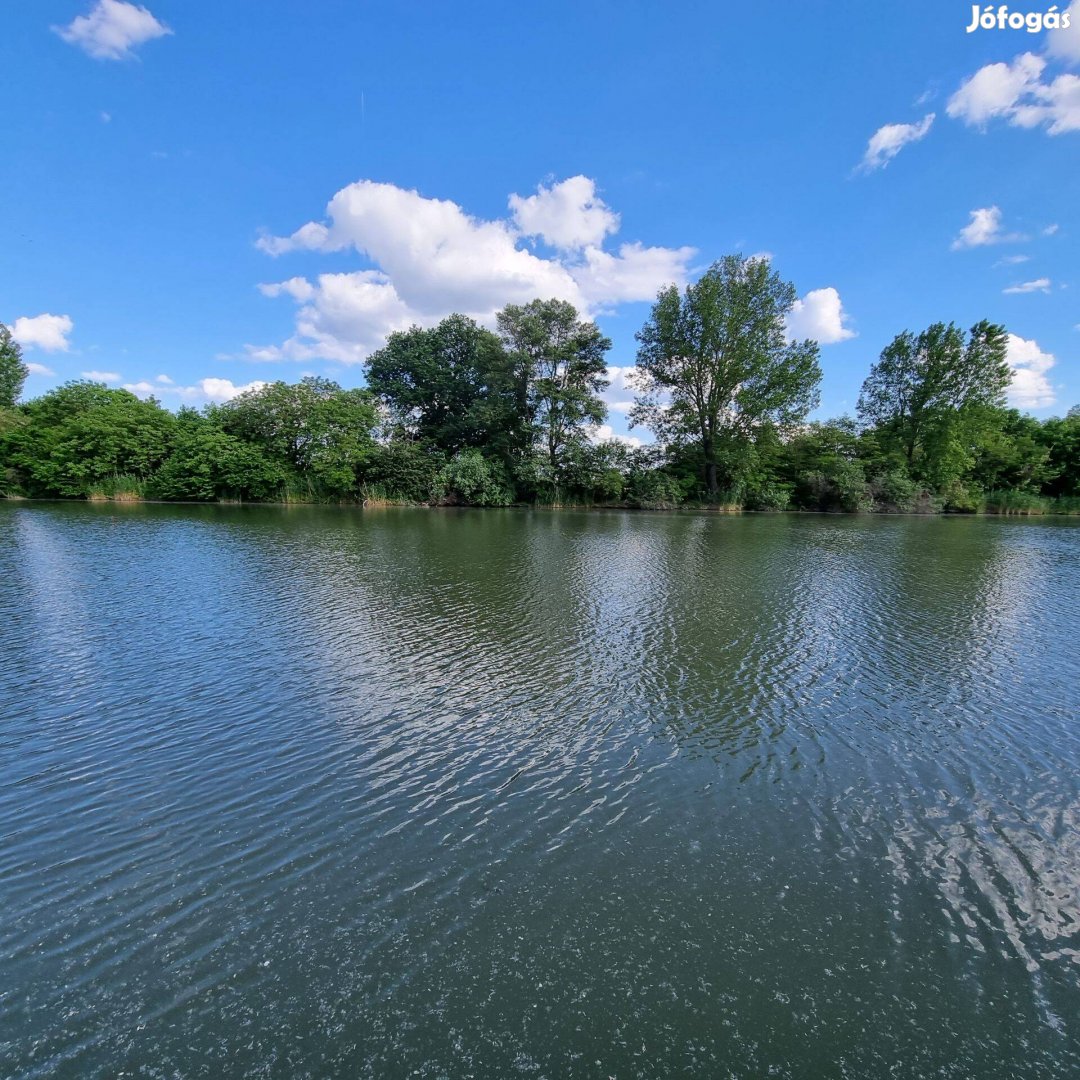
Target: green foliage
[
  {"x": 207, "y": 463},
  {"x": 13, "y": 371},
  {"x": 716, "y": 365},
  {"x": 452, "y": 386},
  {"x": 404, "y": 471},
  {"x": 894, "y": 491},
  {"x": 767, "y": 495},
  {"x": 933, "y": 395},
  {"x": 118, "y": 489},
  {"x": 319, "y": 433},
  {"x": 82, "y": 434},
  {"x": 1061, "y": 437},
  {"x": 1022, "y": 503},
  {"x": 466, "y": 417},
  {"x": 471, "y": 478},
  {"x": 654, "y": 491},
  {"x": 596, "y": 472},
  {"x": 560, "y": 364}
]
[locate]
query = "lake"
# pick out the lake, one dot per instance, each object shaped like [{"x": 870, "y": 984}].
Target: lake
[{"x": 329, "y": 792}]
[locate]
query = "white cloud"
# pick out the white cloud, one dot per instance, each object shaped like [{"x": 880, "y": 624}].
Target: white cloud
[
  {"x": 890, "y": 139},
  {"x": 46, "y": 332},
  {"x": 1038, "y": 285},
  {"x": 984, "y": 229},
  {"x": 224, "y": 389},
  {"x": 143, "y": 389},
  {"x": 1065, "y": 44},
  {"x": 1012, "y": 260},
  {"x": 1050, "y": 230},
  {"x": 569, "y": 215},
  {"x": 100, "y": 376},
  {"x": 1030, "y": 388},
  {"x": 819, "y": 315},
  {"x": 431, "y": 258},
  {"x": 297, "y": 287},
  {"x": 112, "y": 30},
  {"x": 995, "y": 89},
  {"x": 635, "y": 273},
  {"x": 621, "y": 389},
  {"x": 605, "y": 433},
  {"x": 39, "y": 369},
  {"x": 209, "y": 389},
  {"x": 1016, "y": 93}
]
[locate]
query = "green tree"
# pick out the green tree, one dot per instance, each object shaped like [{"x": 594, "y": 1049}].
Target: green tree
[
  {"x": 560, "y": 362},
  {"x": 208, "y": 463},
  {"x": 82, "y": 434},
  {"x": 321, "y": 433},
  {"x": 1061, "y": 437},
  {"x": 471, "y": 478},
  {"x": 13, "y": 371},
  {"x": 934, "y": 394},
  {"x": 715, "y": 363},
  {"x": 451, "y": 386}
]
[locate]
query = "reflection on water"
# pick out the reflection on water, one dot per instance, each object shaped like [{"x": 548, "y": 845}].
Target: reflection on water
[{"x": 327, "y": 792}]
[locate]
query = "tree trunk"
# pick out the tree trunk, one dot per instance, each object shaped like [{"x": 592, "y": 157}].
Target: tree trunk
[{"x": 712, "y": 485}]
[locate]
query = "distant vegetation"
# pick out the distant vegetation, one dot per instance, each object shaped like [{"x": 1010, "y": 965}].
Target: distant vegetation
[{"x": 461, "y": 414}]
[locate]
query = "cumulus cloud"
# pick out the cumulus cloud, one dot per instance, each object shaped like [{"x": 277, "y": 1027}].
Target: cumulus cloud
[
  {"x": 101, "y": 376},
  {"x": 39, "y": 369},
  {"x": 984, "y": 229},
  {"x": 819, "y": 315},
  {"x": 621, "y": 389},
  {"x": 205, "y": 390},
  {"x": 1038, "y": 285},
  {"x": 1064, "y": 45},
  {"x": 568, "y": 215},
  {"x": 603, "y": 433},
  {"x": 890, "y": 139},
  {"x": 1030, "y": 388},
  {"x": 1017, "y": 94},
  {"x": 46, "y": 332},
  {"x": 112, "y": 29},
  {"x": 430, "y": 258},
  {"x": 297, "y": 287}
]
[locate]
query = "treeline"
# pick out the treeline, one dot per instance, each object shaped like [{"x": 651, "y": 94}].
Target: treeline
[{"x": 461, "y": 414}]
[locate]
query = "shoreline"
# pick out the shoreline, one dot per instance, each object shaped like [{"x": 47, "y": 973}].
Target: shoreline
[{"x": 685, "y": 509}]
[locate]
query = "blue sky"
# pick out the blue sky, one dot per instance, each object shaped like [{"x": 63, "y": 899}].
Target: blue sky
[{"x": 217, "y": 194}]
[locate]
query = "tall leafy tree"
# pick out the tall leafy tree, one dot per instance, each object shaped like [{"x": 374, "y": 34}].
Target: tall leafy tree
[
  {"x": 1062, "y": 440},
  {"x": 560, "y": 363},
  {"x": 716, "y": 366},
  {"x": 13, "y": 371},
  {"x": 932, "y": 394},
  {"x": 83, "y": 433},
  {"x": 451, "y": 386},
  {"x": 315, "y": 428}
]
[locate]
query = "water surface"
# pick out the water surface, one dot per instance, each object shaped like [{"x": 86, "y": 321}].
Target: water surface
[{"x": 303, "y": 792}]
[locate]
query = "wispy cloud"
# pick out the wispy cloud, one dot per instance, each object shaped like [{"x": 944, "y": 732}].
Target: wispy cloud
[
  {"x": 890, "y": 139},
  {"x": 1038, "y": 285}
]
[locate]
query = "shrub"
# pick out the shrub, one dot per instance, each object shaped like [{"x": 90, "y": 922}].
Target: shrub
[
  {"x": 403, "y": 470},
  {"x": 654, "y": 491},
  {"x": 894, "y": 491},
  {"x": 471, "y": 478}
]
